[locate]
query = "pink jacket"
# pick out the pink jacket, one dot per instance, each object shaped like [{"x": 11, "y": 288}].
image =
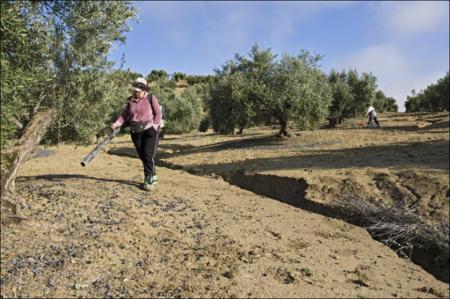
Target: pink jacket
[{"x": 139, "y": 110}]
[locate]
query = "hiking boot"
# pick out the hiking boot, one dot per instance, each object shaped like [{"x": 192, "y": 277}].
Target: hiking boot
[
  {"x": 148, "y": 186},
  {"x": 149, "y": 183}
]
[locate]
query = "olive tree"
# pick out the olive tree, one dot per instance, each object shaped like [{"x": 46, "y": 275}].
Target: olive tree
[
  {"x": 54, "y": 67},
  {"x": 232, "y": 94},
  {"x": 183, "y": 111},
  {"x": 156, "y": 75},
  {"x": 63, "y": 49},
  {"x": 298, "y": 92},
  {"x": 351, "y": 94},
  {"x": 383, "y": 103},
  {"x": 229, "y": 106},
  {"x": 434, "y": 97},
  {"x": 291, "y": 89},
  {"x": 178, "y": 76}
]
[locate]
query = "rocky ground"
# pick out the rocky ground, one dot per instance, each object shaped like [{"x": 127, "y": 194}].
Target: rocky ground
[{"x": 94, "y": 233}]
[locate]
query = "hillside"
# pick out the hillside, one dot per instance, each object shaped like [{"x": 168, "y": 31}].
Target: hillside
[{"x": 95, "y": 233}]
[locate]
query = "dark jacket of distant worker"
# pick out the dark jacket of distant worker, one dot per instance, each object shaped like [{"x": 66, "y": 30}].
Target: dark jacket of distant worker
[
  {"x": 372, "y": 116},
  {"x": 144, "y": 119}
]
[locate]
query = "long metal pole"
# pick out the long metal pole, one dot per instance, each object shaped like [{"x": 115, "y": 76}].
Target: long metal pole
[{"x": 101, "y": 146}]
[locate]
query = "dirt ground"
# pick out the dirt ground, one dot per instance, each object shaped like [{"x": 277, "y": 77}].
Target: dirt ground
[
  {"x": 94, "y": 233},
  {"x": 407, "y": 156}
]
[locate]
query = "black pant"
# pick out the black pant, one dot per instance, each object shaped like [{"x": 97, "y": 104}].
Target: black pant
[
  {"x": 146, "y": 144},
  {"x": 375, "y": 119}
]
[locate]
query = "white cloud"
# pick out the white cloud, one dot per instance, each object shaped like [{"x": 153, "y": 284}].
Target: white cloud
[
  {"x": 412, "y": 18},
  {"x": 396, "y": 75},
  {"x": 285, "y": 20},
  {"x": 398, "y": 27},
  {"x": 380, "y": 58}
]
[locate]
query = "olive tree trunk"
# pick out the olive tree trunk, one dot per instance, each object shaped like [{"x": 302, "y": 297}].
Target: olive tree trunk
[
  {"x": 284, "y": 128},
  {"x": 15, "y": 155}
]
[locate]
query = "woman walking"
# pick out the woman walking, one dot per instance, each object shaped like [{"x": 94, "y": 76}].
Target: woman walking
[{"x": 143, "y": 114}]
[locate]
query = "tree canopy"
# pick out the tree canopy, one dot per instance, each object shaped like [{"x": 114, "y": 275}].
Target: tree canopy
[
  {"x": 289, "y": 89},
  {"x": 352, "y": 94},
  {"x": 434, "y": 97},
  {"x": 182, "y": 110},
  {"x": 383, "y": 103},
  {"x": 54, "y": 55}
]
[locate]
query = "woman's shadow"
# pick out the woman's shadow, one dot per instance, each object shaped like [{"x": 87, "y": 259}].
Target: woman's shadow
[{"x": 61, "y": 177}]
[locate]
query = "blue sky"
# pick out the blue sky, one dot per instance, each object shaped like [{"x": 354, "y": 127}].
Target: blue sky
[{"x": 405, "y": 44}]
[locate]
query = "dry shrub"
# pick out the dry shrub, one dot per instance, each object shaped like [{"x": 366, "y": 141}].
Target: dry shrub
[{"x": 399, "y": 227}]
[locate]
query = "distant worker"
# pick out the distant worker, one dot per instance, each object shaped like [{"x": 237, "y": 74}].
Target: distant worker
[
  {"x": 143, "y": 114},
  {"x": 372, "y": 116}
]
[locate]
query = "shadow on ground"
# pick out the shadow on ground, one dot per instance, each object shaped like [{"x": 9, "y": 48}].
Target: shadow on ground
[
  {"x": 410, "y": 154},
  {"x": 60, "y": 177},
  {"x": 398, "y": 155}
]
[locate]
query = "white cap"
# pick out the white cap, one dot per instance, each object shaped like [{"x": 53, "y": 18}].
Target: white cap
[{"x": 139, "y": 83}]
